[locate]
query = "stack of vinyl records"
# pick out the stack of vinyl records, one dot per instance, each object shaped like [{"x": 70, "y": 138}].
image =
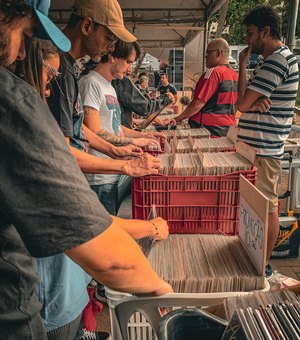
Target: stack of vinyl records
[
  {"x": 166, "y": 164},
  {"x": 194, "y": 164},
  {"x": 213, "y": 144},
  {"x": 184, "y": 146},
  {"x": 187, "y": 165},
  {"x": 184, "y": 133},
  {"x": 219, "y": 163},
  {"x": 191, "y": 144},
  {"x": 274, "y": 315},
  {"x": 154, "y": 147},
  {"x": 204, "y": 264},
  {"x": 195, "y": 133}
]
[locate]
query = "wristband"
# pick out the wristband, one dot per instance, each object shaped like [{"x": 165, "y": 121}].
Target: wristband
[{"x": 156, "y": 230}]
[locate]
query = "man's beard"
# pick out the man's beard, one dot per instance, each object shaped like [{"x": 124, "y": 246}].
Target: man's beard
[
  {"x": 91, "y": 47},
  {"x": 258, "y": 48},
  {"x": 4, "y": 48}
]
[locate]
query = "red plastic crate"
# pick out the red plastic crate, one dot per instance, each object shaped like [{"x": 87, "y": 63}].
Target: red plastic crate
[{"x": 191, "y": 205}]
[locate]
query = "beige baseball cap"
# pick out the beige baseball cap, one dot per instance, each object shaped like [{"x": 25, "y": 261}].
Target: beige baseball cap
[{"x": 107, "y": 13}]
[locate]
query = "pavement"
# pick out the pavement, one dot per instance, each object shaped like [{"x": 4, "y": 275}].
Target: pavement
[{"x": 287, "y": 267}]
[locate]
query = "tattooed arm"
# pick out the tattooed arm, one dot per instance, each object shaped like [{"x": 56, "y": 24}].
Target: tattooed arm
[
  {"x": 101, "y": 145},
  {"x": 113, "y": 139},
  {"x": 92, "y": 121},
  {"x": 143, "y": 165}
]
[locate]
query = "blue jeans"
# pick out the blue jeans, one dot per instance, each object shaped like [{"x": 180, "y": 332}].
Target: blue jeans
[{"x": 108, "y": 196}]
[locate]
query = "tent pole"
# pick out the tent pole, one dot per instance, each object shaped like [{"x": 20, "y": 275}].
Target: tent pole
[{"x": 292, "y": 21}]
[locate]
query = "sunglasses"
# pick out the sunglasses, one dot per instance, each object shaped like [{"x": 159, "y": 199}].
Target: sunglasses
[
  {"x": 112, "y": 43},
  {"x": 209, "y": 51},
  {"x": 55, "y": 74},
  {"x": 109, "y": 36}
]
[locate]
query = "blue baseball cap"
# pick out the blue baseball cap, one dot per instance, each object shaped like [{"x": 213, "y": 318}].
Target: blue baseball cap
[{"x": 47, "y": 29}]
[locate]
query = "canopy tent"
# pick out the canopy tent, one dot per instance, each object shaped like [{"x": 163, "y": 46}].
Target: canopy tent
[
  {"x": 161, "y": 26},
  {"x": 158, "y": 26}
]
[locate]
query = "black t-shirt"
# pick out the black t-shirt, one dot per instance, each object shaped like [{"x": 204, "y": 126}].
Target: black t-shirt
[
  {"x": 65, "y": 103},
  {"x": 46, "y": 204},
  {"x": 169, "y": 88}
]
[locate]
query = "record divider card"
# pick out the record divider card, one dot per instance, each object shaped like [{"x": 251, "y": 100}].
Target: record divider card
[{"x": 254, "y": 207}]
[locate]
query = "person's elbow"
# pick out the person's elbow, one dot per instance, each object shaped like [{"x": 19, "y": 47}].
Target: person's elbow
[
  {"x": 108, "y": 268},
  {"x": 242, "y": 106},
  {"x": 106, "y": 255},
  {"x": 98, "y": 265}
]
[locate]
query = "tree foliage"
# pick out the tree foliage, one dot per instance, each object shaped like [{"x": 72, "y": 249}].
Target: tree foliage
[{"x": 236, "y": 11}]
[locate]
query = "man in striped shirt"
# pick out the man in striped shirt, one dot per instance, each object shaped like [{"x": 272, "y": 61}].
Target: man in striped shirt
[
  {"x": 267, "y": 102},
  {"x": 213, "y": 104}
]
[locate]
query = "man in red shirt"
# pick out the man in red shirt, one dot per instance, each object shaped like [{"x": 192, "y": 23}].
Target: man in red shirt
[{"x": 213, "y": 104}]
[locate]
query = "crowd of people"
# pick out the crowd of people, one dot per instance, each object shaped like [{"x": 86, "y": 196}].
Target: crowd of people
[{"x": 65, "y": 142}]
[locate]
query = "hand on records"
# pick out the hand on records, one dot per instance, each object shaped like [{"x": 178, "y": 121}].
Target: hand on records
[
  {"x": 160, "y": 229},
  {"x": 142, "y": 142},
  {"x": 142, "y": 166}
]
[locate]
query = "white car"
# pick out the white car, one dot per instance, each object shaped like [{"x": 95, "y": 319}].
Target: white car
[{"x": 232, "y": 62}]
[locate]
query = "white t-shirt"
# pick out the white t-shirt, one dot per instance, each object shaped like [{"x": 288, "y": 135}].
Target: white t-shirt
[{"x": 98, "y": 93}]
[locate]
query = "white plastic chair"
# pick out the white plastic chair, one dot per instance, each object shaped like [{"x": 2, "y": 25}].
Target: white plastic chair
[{"x": 123, "y": 306}]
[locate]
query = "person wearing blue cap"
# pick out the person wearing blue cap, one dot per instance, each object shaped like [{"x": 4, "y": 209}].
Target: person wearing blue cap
[{"x": 46, "y": 205}]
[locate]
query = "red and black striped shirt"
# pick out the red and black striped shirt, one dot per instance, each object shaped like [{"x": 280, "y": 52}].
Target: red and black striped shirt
[{"x": 217, "y": 88}]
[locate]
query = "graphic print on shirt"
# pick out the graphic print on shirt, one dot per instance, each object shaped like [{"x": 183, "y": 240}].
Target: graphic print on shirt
[{"x": 114, "y": 106}]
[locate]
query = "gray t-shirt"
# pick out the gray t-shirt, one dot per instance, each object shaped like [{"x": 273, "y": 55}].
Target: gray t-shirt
[{"x": 46, "y": 205}]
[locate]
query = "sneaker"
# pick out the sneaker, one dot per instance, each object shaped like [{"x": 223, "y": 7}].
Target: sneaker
[
  {"x": 86, "y": 335},
  {"x": 100, "y": 293},
  {"x": 268, "y": 271},
  {"x": 103, "y": 336}
]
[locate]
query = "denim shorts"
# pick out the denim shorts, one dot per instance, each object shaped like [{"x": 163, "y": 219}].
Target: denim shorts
[{"x": 108, "y": 196}]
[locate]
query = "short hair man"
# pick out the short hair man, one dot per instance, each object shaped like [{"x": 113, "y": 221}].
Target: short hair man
[
  {"x": 166, "y": 87},
  {"x": 163, "y": 67},
  {"x": 140, "y": 75},
  {"x": 103, "y": 114},
  {"x": 143, "y": 84},
  {"x": 213, "y": 104},
  {"x": 267, "y": 102},
  {"x": 40, "y": 213}
]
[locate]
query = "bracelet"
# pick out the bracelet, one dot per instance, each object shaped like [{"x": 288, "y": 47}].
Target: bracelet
[{"x": 156, "y": 230}]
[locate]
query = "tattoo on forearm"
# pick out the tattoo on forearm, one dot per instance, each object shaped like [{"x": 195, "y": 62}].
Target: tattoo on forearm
[
  {"x": 113, "y": 139},
  {"x": 89, "y": 111}
]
